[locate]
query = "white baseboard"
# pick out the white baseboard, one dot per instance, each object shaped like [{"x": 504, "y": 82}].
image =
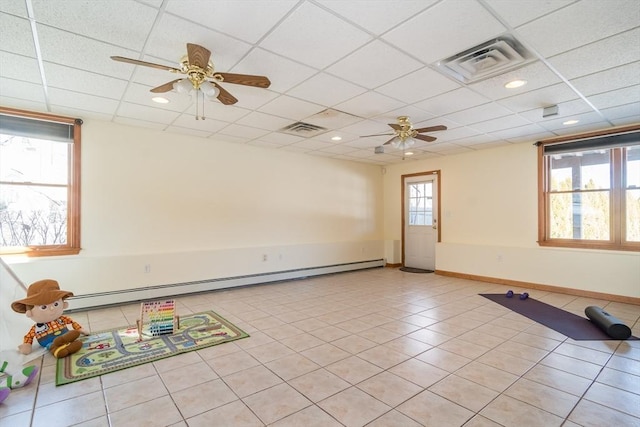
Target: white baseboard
[{"x": 80, "y": 302}]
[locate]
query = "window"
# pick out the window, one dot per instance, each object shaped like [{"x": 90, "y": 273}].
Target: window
[
  {"x": 421, "y": 203},
  {"x": 39, "y": 183},
  {"x": 589, "y": 190}
]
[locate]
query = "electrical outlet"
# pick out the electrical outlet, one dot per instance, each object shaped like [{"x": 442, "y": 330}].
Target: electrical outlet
[
  {"x": 147, "y": 268},
  {"x": 264, "y": 257}
]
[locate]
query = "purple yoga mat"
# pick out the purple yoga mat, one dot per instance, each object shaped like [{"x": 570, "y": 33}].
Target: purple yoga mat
[{"x": 569, "y": 324}]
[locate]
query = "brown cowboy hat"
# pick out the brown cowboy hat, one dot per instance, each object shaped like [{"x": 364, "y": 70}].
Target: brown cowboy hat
[{"x": 42, "y": 292}]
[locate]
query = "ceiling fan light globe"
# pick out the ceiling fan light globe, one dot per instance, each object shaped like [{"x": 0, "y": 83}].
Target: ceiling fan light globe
[
  {"x": 183, "y": 86},
  {"x": 209, "y": 89}
]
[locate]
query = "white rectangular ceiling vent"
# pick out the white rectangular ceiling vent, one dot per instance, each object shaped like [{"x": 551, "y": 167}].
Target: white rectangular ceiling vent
[
  {"x": 303, "y": 129},
  {"x": 489, "y": 59}
]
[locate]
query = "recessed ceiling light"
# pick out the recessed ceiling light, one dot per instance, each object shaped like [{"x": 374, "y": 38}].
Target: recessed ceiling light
[
  {"x": 160, "y": 100},
  {"x": 515, "y": 83},
  {"x": 336, "y": 138},
  {"x": 570, "y": 122}
]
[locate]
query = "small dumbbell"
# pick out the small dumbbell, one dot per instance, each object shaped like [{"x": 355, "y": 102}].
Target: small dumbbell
[
  {"x": 524, "y": 296},
  {"x": 509, "y": 293}
]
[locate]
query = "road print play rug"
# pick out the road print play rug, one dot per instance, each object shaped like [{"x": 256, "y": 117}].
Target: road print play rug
[{"x": 113, "y": 350}]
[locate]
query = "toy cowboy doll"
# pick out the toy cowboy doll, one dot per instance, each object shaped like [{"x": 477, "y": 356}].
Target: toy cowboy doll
[{"x": 44, "y": 304}]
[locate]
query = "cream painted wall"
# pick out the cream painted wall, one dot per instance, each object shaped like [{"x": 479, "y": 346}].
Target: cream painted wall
[
  {"x": 489, "y": 224},
  {"x": 199, "y": 209}
]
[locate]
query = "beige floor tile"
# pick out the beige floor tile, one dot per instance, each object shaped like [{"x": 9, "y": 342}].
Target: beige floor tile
[
  {"x": 429, "y": 337},
  {"x": 389, "y": 388},
  {"x": 393, "y": 419},
  {"x": 128, "y": 375},
  {"x": 319, "y": 384},
  {"x": 590, "y": 414},
  {"x": 511, "y": 412},
  {"x": 383, "y": 357},
  {"x": 65, "y": 412},
  {"x": 329, "y": 333},
  {"x": 624, "y": 364},
  {"x": 379, "y": 335},
  {"x": 292, "y": 366},
  {"x": 251, "y": 380},
  {"x": 353, "y": 369},
  {"x": 536, "y": 341},
  {"x": 464, "y": 392},
  {"x": 301, "y": 342},
  {"x": 353, "y": 407},
  {"x": 268, "y": 352},
  {"x": 419, "y": 372},
  {"x": 187, "y": 376},
  {"x": 621, "y": 400},
  {"x": 18, "y": 419},
  {"x": 230, "y": 363},
  {"x": 541, "y": 396},
  {"x": 558, "y": 379},
  {"x": 506, "y": 362},
  {"x": 325, "y": 354},
  {"x": 234, "y": 414},
  {"x": 179, "y": 361},
  {"x": 311, "y": 416},
  {"x": 480, "y": 421},
  {"x": 157, "y": 412},
  {"x": 571, "y": 365},
  {"x": 487, "y": 376},
  {"x": 48, "y": 393},
  {"x": 582, "y": 353},
  {"x": 464, "y": 348},
  {"x": 443, "y": 359},
  {"x": 619, "y": 379},
  {"x": 408, "y": 346},
  {"x": 522, "y": 351},
  {"x": 132, "y": 393},
  {"x": 429, "y": 409},
  {"x": 276, "y": 403},
  {"x": 354, "y": 344},
  {"x": 203, "y": 397}
]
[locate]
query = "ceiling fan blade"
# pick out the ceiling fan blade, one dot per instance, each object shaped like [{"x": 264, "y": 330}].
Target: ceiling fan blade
[
  {"x": 377, "y": 134},
  {"x": 198, "y": 55},
  {"x": 431, "y": 129},
  {"x": 389, "y": 141},
  {"x": 165, "y": 87},
  {"x": 144, "y": 63},
  {"x": 425, "y": 138},
  {"x": 225, "y": 97},
  {"x": 395, "y": 126},
  {"x": 245, "y": 79}
]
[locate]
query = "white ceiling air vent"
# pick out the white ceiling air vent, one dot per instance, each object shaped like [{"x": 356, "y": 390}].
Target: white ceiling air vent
[
  {"x": 303, "y": 129},
  {"x": 489, "y": 59}
]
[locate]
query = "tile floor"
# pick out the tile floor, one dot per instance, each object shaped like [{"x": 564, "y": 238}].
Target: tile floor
[{"x": 370, "y": 348}]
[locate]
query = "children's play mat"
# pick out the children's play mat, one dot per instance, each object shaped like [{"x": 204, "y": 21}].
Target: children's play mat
[{"x": 109, "y": 351}]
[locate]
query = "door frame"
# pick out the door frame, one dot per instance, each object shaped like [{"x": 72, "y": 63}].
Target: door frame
[{"x": 403, "y": 191}]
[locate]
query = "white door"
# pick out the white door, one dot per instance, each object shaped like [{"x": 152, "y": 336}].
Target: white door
[{"x": 420, "y": 221}]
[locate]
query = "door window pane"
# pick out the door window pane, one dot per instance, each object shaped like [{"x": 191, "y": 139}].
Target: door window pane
[{"x": 421, "y": 203}]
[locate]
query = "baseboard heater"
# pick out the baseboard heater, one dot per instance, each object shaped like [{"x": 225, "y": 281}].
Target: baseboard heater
[{"x": 102, "y": 299}]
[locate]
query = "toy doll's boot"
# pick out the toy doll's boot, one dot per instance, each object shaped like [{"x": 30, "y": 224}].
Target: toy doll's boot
[
  {"x": 21, "y": 379},
  {"x": 4, "y": 392},
  {"x": 66, "y": 344}
]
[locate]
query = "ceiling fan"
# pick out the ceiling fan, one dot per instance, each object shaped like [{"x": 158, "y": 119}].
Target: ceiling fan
[
  {"x": 200, "y": 75},
  {"x": 404, "y": 133}
]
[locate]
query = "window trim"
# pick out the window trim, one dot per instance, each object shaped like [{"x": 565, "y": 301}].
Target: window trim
[
  {"x": 616, "y": 209},
  {"x": 72, "y": 246}
]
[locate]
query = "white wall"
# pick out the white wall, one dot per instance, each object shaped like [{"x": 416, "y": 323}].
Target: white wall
[
  {"x": 199, "y": 209},
  {"x": 489, "y": 224}
]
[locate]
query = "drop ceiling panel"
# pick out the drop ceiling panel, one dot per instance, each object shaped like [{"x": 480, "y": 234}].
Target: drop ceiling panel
[
  {"x": 517, "y": 13},
  {"x": 374, "y": 64},
  {"x": 75, "y": 51},
  {"x": 579, "y": 24},
  {"x": 616, "y": 97},
  {"x": 610, "y": 52},
  {"x": 130, "y": 29},
  {"x": 325, "y": 89},
  {"x": 21, "y": 90},
  {"x": 481, "y": 113},
  {"x": 20, "y": 67},
  {"x": 69, "y": 99},
  {"x": 429, "y": 37},
  {"x": 419, "y": 85},
  {"x": 605, "y": 81},
  {"x": 83, "y": 81},
  {"x": 369, "y": 104},
  {"x": 147, "y": 114},
  {"x": 539, "y": 98},
  {"x": 381, "y": 15},
  {"x": 455, "y": 100},
  {"x": 21, "y": 40},
  {"x": 501, "y": 123},
  {"x": 221, "y": 15},
  {"x": 264, "y": 121},
  {"x": 314, "y": 37},
  {"x": 291, "y": 108}
]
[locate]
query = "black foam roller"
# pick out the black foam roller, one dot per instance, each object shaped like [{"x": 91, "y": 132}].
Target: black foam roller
[{"x": 609, "y": 324}]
